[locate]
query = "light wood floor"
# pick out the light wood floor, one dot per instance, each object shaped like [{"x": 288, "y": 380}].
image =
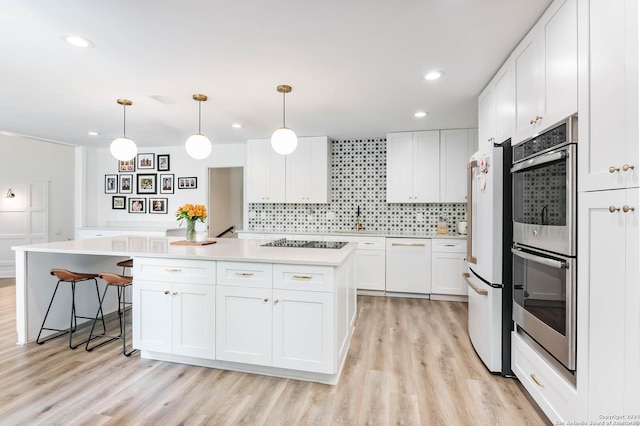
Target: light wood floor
[{"x": 410, "y": 362}]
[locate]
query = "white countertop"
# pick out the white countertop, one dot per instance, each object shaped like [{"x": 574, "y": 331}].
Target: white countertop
[
  {"x": 229, "y": 249},
  {"x": 365, "y": 233}
]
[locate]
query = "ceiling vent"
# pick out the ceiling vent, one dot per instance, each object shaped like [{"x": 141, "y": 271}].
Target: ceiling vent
[{"x": 163, "y": 99}]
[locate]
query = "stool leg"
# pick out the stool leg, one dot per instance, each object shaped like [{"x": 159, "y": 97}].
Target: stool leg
[
  {"x": 45, "y": 318},
  {"x": 91, "y": 335},
  {"x": 100, "y": 311},
  {"x": 124, "y": 322}
]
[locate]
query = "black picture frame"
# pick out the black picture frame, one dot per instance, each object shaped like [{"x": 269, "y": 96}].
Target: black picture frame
[
  {"x": 127, "y": 165},
  {"x": 163, "y": 162},
  {"x": 110, "y": 184},
  {"x": 118, "y": 202},
  {"x": 137, "y": 205},
  {"x": 146, "y": 161},
  {"x": 146, "y": 183},
  {"x": 158, "y": 205},
  {"x": 188, "y": 182},
  {"x": 126, "y": 184},
  {"x": 167, "y": 183}
]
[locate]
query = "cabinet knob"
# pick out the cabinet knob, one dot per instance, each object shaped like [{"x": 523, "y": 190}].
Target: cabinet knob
[
  {"x": 275, "y": 301},
  {"x": 166, "y": 292},
  {"x": 613, "y": 169},
  {"x": 614, "y": 209},
  {"x": 626, "y": 167},
  {"x": 265, "y": 300},
  {"x": 532, "y": 122},
  {"x": 175, "y": 293},
  {"x": 626, "y": 208}
]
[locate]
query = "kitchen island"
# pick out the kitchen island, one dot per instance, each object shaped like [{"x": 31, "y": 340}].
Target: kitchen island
[{"x": 234, "y": 305}]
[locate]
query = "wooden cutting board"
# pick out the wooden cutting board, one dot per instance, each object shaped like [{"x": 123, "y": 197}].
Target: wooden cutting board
[{"x": 192, "y": 243}]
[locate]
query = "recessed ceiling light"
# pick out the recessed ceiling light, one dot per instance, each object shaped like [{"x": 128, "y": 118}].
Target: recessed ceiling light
[
  {"x": 420, "y": 114},
  {"x": 433, "y": 75},
  {"x": 94, "y": 133},
  {"x": 77, "y": 41},
  {"x": 236, "y": 126}
]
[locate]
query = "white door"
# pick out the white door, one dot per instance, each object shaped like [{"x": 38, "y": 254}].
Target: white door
[
  {"x": 370, "y": 269},
  {"x": 152, "y": 316},
  {"x": 303, "y": 334},
  {"x": 399, "y": 167},
  {"x": 408, "y": 267},
  {"x": 447, "y": 270},
  {"x": 426, "y": 166},
  {"x": 194, "y": 320},
  {"x": 528, "y": 68},
  {"x": 453, "y": 165},
  {"x": 244, "y": 324}
]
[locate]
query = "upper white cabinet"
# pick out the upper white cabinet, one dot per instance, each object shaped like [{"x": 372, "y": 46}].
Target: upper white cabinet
[
  {"x": 608, "y": 124},
  {"x": 497, "y": 109},
  {"x": 300, "y": 177},
  {"x": 546, "y": 71},
  {"x": 307, "y": 171},
  {"x": 454, "y": 155},
  {"x": 429, "y": 166},
  {"x": 413, "y": 170},
  {"x": 265, "y": 173}
]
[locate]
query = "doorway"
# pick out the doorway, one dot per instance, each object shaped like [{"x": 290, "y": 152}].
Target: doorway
[{"x": 225, "y": 201}]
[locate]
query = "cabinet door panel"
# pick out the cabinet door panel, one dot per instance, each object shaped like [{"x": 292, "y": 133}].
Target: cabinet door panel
[
  {"x": 408, "y": 268},
  {"x": 370, "y": 270},
  {"x": 426, "y": 166},
  {"x": 487, "y": 115},
  {"x": 303, "y": 334},
  {"x": 243, "y": 324},
  {"x": 399, "y": 168},
  {"x": 152, "y": 316},
  {"x": 528, "y": 70},
  {"x": 453, "y": 165},
  {"x": 505, "y": 90},
  {"x": 194, "y": 320},
  {"x": 447, "y": 270}
]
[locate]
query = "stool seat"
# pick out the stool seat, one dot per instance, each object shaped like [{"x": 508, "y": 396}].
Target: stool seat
[
  {"x": 66, "y": 275},
  {"x": 126, "y": 263},
  {"x": 115, "y": 279}
]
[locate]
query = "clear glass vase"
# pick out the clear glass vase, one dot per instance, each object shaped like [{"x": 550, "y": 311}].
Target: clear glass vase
[{"x": 191, "y": 231}]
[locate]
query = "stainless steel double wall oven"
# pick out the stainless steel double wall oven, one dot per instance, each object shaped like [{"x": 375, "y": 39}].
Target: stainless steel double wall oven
[{"x": 544, "y": 239}]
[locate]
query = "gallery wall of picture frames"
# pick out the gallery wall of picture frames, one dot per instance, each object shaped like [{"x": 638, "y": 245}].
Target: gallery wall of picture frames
[{"x": 147, "y": 181}]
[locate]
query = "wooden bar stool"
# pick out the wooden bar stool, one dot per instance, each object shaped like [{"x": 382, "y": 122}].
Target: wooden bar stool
[
  {"x": 65, "y": 276},
  {"x": 120, "y": 282},
  {"x": 125, "y": 264}
]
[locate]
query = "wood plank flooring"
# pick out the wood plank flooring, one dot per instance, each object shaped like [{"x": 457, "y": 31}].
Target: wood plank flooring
[{"x": 410, "y": 363}]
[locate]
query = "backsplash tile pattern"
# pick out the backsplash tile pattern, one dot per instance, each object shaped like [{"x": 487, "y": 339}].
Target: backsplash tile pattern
[{"x": 358, "y": 177}]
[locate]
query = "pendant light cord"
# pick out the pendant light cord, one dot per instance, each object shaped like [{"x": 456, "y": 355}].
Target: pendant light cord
[
  {"x": 284, "y": 124},
  {"x": 199, "y": 116},
  {"x": 124, "y": 120}
]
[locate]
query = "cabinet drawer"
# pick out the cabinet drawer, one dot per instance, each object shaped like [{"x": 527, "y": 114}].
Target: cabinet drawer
[
  {"x": 300, "y": 277},
  {"x": 364, "y": 243},
  {"x": 175, "y": 270},
  {"x": 245, "y": 274},
  {"x": 555, "y": 395},
  {"x": 449, "y": 246}
]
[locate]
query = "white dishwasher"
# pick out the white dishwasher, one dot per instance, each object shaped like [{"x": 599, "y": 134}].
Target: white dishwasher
[{"x": 408, "y": 265}]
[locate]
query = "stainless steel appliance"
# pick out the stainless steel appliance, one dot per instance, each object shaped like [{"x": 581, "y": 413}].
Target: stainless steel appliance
[
  {"x": 544, "y": 300},
  {"x": 488, "y": 244},
  {"x": 544, "y": 189}
]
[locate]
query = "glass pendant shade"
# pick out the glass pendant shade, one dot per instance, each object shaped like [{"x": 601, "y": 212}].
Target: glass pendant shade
[
  {"x": 198, "y": 146},
  {"x": 284, "y": 141},
  {"x": 123, "y": 149}
]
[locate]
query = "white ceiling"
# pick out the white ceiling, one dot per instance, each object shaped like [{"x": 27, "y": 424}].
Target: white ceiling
[{"x": 356, "y": 66}]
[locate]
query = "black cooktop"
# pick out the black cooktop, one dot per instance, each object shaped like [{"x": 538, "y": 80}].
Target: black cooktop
[{"x": 306, "y": 244}]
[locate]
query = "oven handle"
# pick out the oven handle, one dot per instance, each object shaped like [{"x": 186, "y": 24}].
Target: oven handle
[
  {"x": 480, "y": 291},
  {"x": 543, "y": 159},
  {"x": 558, "y": 264}
]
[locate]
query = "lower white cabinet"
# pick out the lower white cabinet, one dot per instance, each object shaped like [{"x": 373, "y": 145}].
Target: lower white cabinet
[
  {"x": 174, "y": 318},
  {"x": 447, "y": 266},
  {"x": 370, "y": 260},
  {"x": 408, "y": 265}
]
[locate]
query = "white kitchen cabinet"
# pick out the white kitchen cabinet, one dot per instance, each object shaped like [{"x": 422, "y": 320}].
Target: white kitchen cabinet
[
  {"x": 496, "y": 109},
  {"x": 447, "y": 266},
  {"x": 300, "y": 177},
  {"x": 609, "y": 273},
  {"x": 408, "y": 265},
  {"x": 608, "y": 123},
  {"x": 370, "y": 260},
  {"x": 546, "y": 71},
  {"x": 307, "y": 169},
  {"x": 413, "y": 168},
  {"x": 265, "y": 173},
  {"x": 174, "y": 306},
  {"x": 454, "y": 156}
]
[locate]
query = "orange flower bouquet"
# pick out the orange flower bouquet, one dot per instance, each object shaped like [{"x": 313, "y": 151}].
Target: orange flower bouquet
[{"x": 192, "y": 213}]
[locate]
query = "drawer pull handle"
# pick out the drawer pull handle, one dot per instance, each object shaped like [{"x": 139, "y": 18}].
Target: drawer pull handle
[
  {"x": 480, "y": 291},
  {"x": 369, "y": 244},
  {"x": 449, "y": 245},
  {"x": 535, "y": 379},
  {"x": 244, "y": 274},
  {"x": 407, "y": 244},
  {"x": 166, "y": 292},
  {"x": 302, "y": 277},
  {"x": 173, "y": 270}
]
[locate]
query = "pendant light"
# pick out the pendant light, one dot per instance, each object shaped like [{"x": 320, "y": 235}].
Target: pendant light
[
  {"x": 198, "y": 145},
  {"x": 123, "y": 148},
  {"x": 284, "y": 141}
]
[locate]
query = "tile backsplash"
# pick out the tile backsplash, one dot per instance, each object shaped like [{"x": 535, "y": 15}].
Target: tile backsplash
[{"x": 358, "y": 177}]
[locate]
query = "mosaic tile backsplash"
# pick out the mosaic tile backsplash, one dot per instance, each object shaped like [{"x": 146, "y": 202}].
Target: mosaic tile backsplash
[{"x": 358, "y": 177}]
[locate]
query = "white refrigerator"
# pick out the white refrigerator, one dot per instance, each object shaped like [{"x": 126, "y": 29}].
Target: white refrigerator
[{"x": 489, "y": 241}]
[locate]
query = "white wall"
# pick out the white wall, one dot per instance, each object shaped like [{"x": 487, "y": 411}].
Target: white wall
[{"x": 96, "y": 205}]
